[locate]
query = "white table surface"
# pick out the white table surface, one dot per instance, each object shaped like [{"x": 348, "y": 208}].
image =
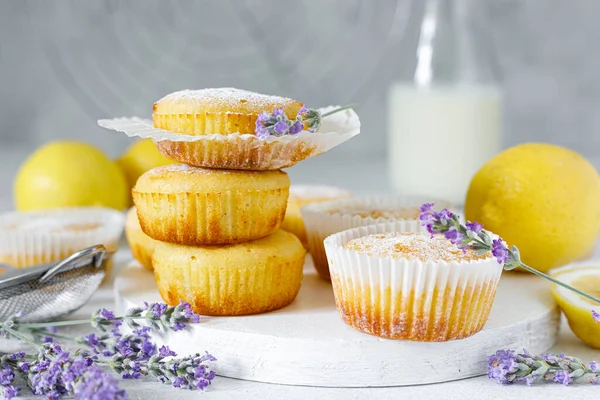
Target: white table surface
[{"x": 363, "y": 175}]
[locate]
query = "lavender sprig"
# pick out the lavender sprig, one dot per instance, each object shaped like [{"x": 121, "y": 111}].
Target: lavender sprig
[
  {"x": 472, "y": 236},
  {"x": 54, "y": 372},
  {"x": 278, "y": 123},
  {"x": 507, "y": 367},
  {"x": 157, "y": 315}
]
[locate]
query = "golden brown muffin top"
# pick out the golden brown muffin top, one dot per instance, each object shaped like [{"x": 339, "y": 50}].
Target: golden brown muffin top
[
  {"x": 177, "y": 178},
  {"x": 419, "y": 246},
  {"x": 384, "y": 213},
  {"x": 224, "y": 100}
]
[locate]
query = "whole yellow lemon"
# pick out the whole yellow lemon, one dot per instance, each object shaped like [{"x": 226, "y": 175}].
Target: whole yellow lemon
[
  {"x": 69, "y": 173},
  {"x": 544, "y": 199},
  {"x": 141, "y": 156}
]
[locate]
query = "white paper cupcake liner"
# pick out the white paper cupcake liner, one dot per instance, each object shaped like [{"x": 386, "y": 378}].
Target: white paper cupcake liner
[
  {"x": 321, "y": 222},
  {"x": 243, "y": 151},
  {"x": 410, "y": 299},
  {"x": 37, "y": 237}
]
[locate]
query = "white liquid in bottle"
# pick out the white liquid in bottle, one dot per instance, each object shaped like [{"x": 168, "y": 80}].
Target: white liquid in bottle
[{"x": 440, "y": 136}]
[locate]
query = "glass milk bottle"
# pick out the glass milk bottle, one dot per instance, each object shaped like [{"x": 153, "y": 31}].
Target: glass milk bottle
[{"x": 445, "y": 112}]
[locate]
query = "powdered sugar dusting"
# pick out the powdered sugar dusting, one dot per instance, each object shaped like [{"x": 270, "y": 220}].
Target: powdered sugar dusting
[
  {"x": 412, "y": 246},
  {"x": 224, "y": 97}
]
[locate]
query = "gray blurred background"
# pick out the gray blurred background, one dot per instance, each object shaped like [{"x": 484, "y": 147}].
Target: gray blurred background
[{"x": 65, "y": 64}]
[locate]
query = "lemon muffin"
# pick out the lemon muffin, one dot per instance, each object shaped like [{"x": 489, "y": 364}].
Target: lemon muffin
[
  {"x": 141, "y": 245},
  {"x": 223, "y": 122},
  {"x": 197, "y": 206},
  {"x": 246, "y": 278},
  {"x": 38, "y": 237},
  {"x": 220, "y": 111},
  {"x": 302, "y": 195},
  {"x": 324, "y": 219},
  {"x": 410, "y": 286}
]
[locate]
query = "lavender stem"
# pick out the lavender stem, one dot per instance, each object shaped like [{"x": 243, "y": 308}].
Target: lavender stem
[
  {"x": 21, "y": 336},
  {"x": 328, "y": 113},
  {"x": 58, "y": 323},
  {"x": 556, "y": 281}
]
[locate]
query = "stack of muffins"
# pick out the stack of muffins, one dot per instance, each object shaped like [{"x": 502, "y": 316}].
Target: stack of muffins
[{"x": 212, "y": 235}]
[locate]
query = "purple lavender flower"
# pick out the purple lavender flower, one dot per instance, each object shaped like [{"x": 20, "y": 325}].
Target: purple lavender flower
[
  {"x": 454, "y": 236},
  {"x": 188, "y": 313},
  {"x": 499, "y": 251},
  {"x": 92, "y": 341},
  {"x": 15, "y": 356},
  {"x": 96, "y": 385},
  {"x": 106, "y": 314},
  {"x": 562, "y": 377},
  {"x": 190, "y": 372},
  {"x": 474, "y": 227},
  {"x": 10, "y": 392},
  {"x": 165, "y": 351},
  {"x": 178, "y": 326},
  {"x": 296, "y": 128},
  {"x": 594, "y": 366},
  {"x": 427, "y": 218},
  {"x": 427, "y": 208},
  {"x": 596, "y": 316},
  {"x": 281, "y": 127},
  {"x": 444, "y": 215},
  {"x": 178, "y": 382},
  {"x": 501, "y": 364},
  {"x": 261, "y": 131},
  {"x": 6, "y": 375},
  {"x": 103, "y": 318},
  {"x": 158, "y": 309},
  {"x": 55, "y": 372},
  {"x": 278, "y": 123}
]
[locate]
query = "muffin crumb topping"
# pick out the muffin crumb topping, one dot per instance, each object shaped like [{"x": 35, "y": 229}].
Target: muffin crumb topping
[{"x": 412, "y": 246}]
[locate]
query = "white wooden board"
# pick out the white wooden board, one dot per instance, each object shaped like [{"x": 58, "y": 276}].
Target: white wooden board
[{"x": 307, "y": 344}]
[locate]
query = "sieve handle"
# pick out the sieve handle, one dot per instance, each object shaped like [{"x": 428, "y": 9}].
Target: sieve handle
[{"x": 95, "y": 253}]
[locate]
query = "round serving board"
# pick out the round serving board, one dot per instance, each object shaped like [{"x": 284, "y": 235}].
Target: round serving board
[{"x": 307, "y": 343}]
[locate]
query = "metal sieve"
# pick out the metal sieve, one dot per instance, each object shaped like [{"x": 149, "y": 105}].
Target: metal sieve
[{"x": 51, "y": 290}]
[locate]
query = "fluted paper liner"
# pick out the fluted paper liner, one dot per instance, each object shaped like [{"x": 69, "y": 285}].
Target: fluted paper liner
[
  {"x": 243, "y": 151},
  {"x": 36, "y": 237},
  {"x": 409, "y": 299},
  {"x": 225, "y": 217},
  {"x": 321, "y": 222}
]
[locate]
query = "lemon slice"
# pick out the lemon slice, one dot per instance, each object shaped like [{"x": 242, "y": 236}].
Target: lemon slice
[{"x": 577, "y": 308}]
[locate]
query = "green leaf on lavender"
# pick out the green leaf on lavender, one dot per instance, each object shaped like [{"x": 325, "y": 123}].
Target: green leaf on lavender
[
  {"x": 578, "y": 373},
  {"x": 487, "y": 239},
  {"x": 481, "y": 252}
]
